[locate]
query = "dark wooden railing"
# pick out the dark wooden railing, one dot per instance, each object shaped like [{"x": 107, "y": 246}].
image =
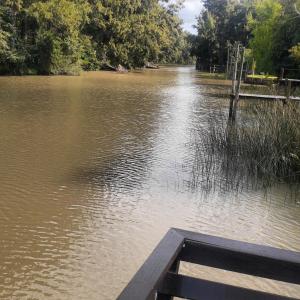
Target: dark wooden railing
[{"x": 158, "y": 278}]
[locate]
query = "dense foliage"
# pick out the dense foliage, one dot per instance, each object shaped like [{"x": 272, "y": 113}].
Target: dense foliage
[
  {"x": 269, "y": 28},
  {"x": 65, "y": 36}
]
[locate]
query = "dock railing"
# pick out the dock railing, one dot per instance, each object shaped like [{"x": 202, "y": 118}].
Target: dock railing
[{"x": 158, "y": 278}]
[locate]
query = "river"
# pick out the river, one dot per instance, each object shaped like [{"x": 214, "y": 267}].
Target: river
[{"x": 95, "y": 170}]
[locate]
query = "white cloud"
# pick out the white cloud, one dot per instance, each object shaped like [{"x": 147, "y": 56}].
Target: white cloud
[{"x": 189, "y": 13}]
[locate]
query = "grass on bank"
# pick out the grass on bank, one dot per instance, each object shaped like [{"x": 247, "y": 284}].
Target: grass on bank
[
  {"x": 262, "y": 147},
  {"x": 208, "y": 75},
  {"x": 264, "y": 77}
]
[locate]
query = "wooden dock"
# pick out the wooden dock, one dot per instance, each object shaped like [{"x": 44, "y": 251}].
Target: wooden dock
[
  {"x": 265, "y": 97},
  {"x": 158, "y": 278},
  {"x": 238, "y": 60}
]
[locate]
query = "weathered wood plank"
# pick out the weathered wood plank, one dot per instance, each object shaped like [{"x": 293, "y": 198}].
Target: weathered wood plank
[
  {"x": 144, "y": 284},
  {"x": 291, "y": 80},
  {"x": 197, "y": 289},
  {"x": 266, "y": 97}
]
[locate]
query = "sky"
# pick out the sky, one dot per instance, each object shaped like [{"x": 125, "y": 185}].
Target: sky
[{"x": 190, "y": 11}]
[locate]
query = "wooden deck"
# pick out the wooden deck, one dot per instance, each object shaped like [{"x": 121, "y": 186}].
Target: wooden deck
[
  {"x": 265, "y": 97},
  {"x": 158, "y": 278}
]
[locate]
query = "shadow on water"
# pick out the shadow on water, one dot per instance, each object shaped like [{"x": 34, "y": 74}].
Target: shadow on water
[{"x": 128, "y": 170}]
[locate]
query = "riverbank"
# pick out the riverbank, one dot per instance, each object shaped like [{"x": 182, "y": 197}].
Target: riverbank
[{"x": 104, "y": 68}]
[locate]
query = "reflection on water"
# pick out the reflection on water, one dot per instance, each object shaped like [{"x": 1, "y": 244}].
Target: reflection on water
[{"x": 93, "y": 173}]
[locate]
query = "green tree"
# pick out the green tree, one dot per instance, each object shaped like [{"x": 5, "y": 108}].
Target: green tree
[
  {"x": 58, "y": 38},
  {"x": 207, "y": 45},
  {"x": 133, "y": 32},
  {"x": 263, "y": 25},
  {"x": 295, "y": 53},
  {"x": 275, "y": 28},
  {"x": 65, "y": 36},
  {"x": 287, "y": 35},
  {"x": 13, "y": 52},
  {"x": 218, "y": 23}
]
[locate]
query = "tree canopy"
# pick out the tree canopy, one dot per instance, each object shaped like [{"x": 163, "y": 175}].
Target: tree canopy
[
  {"x": 65, "y": 36},
  {"x": 269, "y": 28}
]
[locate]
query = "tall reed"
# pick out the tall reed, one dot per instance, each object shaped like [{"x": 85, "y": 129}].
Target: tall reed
[{"x": 263, "y": 146}]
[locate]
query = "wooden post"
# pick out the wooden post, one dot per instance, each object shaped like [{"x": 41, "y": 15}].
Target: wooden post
[
  {"x": 230, "y": 66},
  {"x": 231, "y": 60},
  {"x": 237, "y": 92},
  {"x": 231, "y": 106},
  {"x": 246, "y": 70},
  {"x": 233, "y": 91},
  {"x": 227, "y": 63},
  {"x": 237, "y": 51},
  {"x": 282, "y": 73},
  {"x": 241, "y": 72},
  {"x": 288, "y": 89}
]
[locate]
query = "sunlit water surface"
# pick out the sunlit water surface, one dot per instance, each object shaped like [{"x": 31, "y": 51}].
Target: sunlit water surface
[{"x": 95, "y": 170}]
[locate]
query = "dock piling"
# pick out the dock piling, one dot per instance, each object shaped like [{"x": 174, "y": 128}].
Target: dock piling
[{"x": 238, "y": 88}]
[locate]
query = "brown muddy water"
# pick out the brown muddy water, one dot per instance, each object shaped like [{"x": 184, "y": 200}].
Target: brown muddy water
[{"x": 95, "y": 170}]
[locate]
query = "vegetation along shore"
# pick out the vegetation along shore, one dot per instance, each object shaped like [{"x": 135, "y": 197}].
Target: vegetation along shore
[{"x": 67, "y": 36}]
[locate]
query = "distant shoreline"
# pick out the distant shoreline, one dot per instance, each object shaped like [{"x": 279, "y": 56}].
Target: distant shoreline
[{"x": 136, "y": 70}]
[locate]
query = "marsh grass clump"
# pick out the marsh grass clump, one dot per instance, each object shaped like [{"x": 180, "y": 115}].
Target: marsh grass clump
[{"x": 263, "y": 146}]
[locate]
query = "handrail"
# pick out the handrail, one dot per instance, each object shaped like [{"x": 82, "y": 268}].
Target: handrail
[{"x": 158, "y": 278}]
